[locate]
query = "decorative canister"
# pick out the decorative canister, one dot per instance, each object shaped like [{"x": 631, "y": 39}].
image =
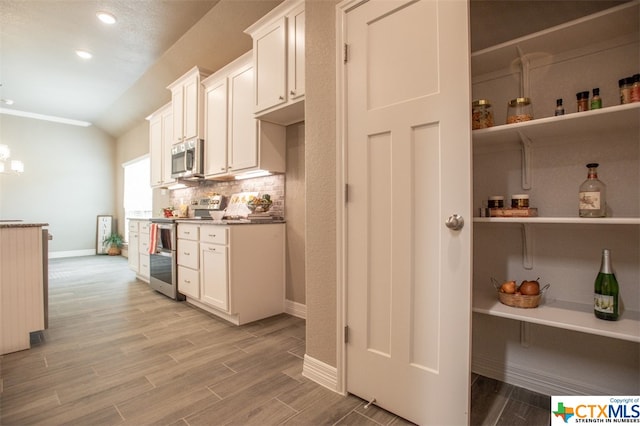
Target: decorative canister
[
  {"x": 520, "y": 109},
  {"x": 496, "y": 201},
  {"x": 481, "y": 114},
  {"x": 520, "y": 201}
]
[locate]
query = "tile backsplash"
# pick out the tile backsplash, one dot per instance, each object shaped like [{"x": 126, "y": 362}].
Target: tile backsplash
[{"x": 272, "y": 185}]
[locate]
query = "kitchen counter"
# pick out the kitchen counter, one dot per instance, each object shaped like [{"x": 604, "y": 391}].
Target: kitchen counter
[
  {"x": 228, "y": 221},
  {"x": 22, "y": 295},
  {"x": 20, "y": 224}
]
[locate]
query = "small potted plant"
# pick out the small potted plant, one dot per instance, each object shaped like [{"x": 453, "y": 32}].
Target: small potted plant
[{"x": 113, "y": 243}]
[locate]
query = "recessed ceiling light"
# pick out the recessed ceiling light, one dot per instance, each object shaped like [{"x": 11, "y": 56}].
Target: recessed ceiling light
[
  {"x": 84, "y": 54},
  {"x": 106, "y": 17}
]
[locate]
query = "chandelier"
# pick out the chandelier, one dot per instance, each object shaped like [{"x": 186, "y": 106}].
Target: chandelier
[{"x": 7, "y": 165}]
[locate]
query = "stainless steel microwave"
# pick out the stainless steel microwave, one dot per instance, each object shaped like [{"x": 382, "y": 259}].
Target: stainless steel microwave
[{"x": 187, "y": 159}]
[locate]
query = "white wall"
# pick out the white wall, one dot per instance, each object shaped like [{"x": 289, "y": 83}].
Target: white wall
[{"x": 68, "y": 180}]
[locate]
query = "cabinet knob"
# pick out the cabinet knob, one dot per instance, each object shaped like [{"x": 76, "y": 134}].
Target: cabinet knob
[
  {"x": 212, "y": 248},
  {"x": 293, "y": 92},
  {"x": 186, "y": 253},
  {"x": 212, "y": 235},
  {"x": 281, "y": 98},
  {"x": 187, "y": 281}
]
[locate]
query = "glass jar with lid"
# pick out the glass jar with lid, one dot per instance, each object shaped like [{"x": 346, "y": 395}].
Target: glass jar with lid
[
  {"x": 481, "y": 114},
  {"x": 520, "y": 109}
]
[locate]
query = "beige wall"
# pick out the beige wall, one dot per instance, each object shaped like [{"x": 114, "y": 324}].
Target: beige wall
[
  {"x": 68, "y": 180},
  {"x": 295, "y": 197},
  {"x": 320, "y": 161}
]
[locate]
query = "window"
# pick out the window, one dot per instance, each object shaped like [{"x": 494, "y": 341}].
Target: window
[{"x": 137, "y": 191}]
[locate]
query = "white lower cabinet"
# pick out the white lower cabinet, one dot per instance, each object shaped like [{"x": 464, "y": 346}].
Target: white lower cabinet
[
  {"x": 138, "y": 248},
  {"x": 240, "y": 273},
  {"x": 143, "y": 252},
  {"x": 187, "y": 258},
  {"x": 215, "y": 276}
]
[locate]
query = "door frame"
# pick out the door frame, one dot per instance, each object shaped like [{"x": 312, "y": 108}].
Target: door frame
[{"x": 342, "y": 9}]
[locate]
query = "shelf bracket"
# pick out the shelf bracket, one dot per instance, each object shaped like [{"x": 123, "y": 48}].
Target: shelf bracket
[
  {"x": 525, "y": 334},
  {"x": 527, "y": 246},
  {"x": 525, "y": 143},
  {"x": 524, "y": 78}
]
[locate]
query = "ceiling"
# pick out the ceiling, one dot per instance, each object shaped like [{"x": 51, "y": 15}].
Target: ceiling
[
  {"x": 133, "y": 60},
  {"x": 153, "y": 42}
]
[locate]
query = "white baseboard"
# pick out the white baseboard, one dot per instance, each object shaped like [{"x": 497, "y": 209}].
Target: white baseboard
[
  {"x": 321, "y": 373},
  {"x": 71, "y": 253},
  {"x": 532, "y": 379},
  {"x": 296, "y": 309}
]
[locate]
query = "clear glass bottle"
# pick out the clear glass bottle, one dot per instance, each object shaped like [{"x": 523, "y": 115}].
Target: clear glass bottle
[
  {"x": 635, "y": 89},
  {"x": 481, "y": 114},
  {"x": 592, "y": 194},
  {"x": 559, "y": 108},
  {"x": 519, "y": 110},
  {"x": 596, "y": 100},
  {"x": 606, "y": 291}
]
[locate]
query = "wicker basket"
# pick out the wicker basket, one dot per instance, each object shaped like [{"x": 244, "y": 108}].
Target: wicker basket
[{"x": 519, "y": 300}]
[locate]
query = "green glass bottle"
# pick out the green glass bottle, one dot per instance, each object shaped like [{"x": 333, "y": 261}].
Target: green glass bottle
[{"x": 605, "y": 297}]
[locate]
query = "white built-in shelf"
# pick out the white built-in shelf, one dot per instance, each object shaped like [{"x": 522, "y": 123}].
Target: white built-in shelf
[
  {"x": 562, "y": 220},
  {"x": 613, "y": 23},
  {"x": 561, "y": 314},
  {"x": 625, "y": 116}
]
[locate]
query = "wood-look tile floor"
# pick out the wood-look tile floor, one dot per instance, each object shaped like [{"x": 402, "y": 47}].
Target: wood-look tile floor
[{"x": 117, "y": 352}]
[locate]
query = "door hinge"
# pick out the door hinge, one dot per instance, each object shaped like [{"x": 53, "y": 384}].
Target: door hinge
[
  {"x": 346, "y": 53},
  {"x": 346, "y": 334},
  {"x": 346, "y": 192}
]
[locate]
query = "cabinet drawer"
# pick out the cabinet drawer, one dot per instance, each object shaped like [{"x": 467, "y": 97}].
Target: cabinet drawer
[
  {"x": 144, "y": 227},
  {"x": 143, "y": 243},
  {"x": 188, "y": 254},
  {"x": 214, "y": 234},
  {"x": 187, "y": 231},
  {"x": 189, "y": 282},
  {"x": 133, "y": 226},
  {"x": 143, "y": 269}
]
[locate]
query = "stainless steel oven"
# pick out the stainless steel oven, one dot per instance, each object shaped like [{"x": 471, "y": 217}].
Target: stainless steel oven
[{"x": 163, "y": 262}]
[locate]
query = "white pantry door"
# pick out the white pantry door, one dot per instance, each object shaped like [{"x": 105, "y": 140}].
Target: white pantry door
[{"x": 408, "y": 169}]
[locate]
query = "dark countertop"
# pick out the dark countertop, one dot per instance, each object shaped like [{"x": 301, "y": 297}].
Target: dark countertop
[
  {"x": 229, "y": 221},
  {"x": 20, "y": 224}
]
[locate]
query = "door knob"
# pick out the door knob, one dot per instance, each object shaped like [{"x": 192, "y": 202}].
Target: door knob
[{"x": 455, "y": 222}]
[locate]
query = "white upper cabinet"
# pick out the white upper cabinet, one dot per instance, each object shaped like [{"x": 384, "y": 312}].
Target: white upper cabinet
[
  {"x": 215, "y": 101},
  {"x": 235, "y": 141},
  {"x": 160, "y": 138},
  {"x": 279, "y": 51},
  {"x": 187, "y": 102}
]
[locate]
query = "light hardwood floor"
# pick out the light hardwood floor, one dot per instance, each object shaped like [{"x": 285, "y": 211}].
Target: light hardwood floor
[{"x": 117, "y": 352}]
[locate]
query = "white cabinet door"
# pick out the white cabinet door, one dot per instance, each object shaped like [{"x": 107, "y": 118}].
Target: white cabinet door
[
  {"x": 187, "y": 253},
  {"x": 215, "y": 280},
  {"x": 133, "y": 251},
  {"x": 190, "y": 107},
  {"x": 177, "y": 109},
  {"x": 189, "y": 282},
  {"x": 243, "y": 128},
  {"x": 215, "y": 107},
  {"x": 167, "y": 139},
  {"x": 155, "y": 150},
  {"x": 270, "y": 59},
  {"x": 408, "y": 276},
  {"x": 296, "y": 43}
]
